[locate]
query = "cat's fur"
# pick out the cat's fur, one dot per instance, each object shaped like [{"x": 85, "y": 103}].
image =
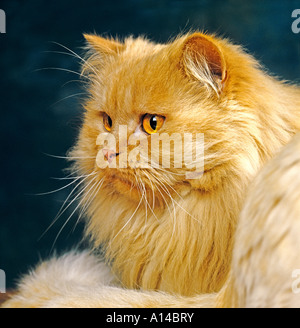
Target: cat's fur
[{"x": 184, "y": 243}]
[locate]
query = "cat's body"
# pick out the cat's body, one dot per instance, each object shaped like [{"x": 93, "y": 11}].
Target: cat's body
[{"x": 158, "y": 230}]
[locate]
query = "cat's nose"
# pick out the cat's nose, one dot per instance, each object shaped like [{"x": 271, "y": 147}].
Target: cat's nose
[{"x": 109, "y": 155}]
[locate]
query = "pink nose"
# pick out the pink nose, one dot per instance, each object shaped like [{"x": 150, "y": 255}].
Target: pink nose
[{"x": 109, "y": 155}]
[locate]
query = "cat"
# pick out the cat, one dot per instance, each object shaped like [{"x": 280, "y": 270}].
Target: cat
[{"x": 162, "y": 234}]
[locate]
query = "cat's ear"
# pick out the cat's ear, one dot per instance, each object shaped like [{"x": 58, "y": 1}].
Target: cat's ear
[
  {"x": 102, "y": 45},
  {"x": 203, "y": 60}
]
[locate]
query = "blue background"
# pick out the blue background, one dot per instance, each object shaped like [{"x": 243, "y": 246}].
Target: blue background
[{"x": 40, "y": 112}]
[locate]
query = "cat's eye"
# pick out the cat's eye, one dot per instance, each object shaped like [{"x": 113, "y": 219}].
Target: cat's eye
[
  {"x": 107, "y": 122},
  {"x": 152, "y": 123}
]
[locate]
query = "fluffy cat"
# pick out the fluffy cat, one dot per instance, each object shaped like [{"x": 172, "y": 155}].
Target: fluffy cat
[{"x": 159, "y": 231}]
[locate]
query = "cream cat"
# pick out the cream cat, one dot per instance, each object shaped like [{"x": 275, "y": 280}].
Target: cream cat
[{"x": 160, "y": 231}]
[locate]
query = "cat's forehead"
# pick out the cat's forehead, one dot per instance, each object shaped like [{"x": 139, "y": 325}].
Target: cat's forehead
[
  {"x": 142, "y": 82},
  {"x": 135, "y": 98}
]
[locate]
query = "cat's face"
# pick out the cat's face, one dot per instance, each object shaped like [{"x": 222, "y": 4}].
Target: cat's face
[{"x": 141, "y": 93}]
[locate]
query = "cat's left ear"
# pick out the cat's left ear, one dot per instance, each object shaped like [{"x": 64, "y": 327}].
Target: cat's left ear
[
  {"x": 103, "y": 45},
  {"x": 203, "y": 60}
]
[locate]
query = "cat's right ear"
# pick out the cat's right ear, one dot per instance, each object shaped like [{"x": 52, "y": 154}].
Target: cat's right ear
[
  {"x": 202, "y": 59},
  {"x": 102, "y": 45}
]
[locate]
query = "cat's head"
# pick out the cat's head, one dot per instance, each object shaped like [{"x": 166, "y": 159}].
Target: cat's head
[{"x": 163, "y": 118}]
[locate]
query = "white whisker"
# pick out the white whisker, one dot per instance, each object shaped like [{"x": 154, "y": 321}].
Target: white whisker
[
  {"x": 124, "y": 226},
  {"x": 163, "y": 197},
  {"x": 76, "y": 56},
  {"x": 166, "y": 182},
  {"x": 69, "y": 157},
  {"x": 56, "y": 190},
  {"x": 58, "y": 69},
  {"x": 93, "y": 193},
  {"x": 62, "y": 210},
  {"x": 74, "y": 81},
  {"x": 173, "y": 200},
  {"x": 68, "y": 97},
  {"x": 173, "y": 203},
  {"x": 159, "y": 168},
  {"x": 91, "y": 197},
  {"x": 151, "y": 208},
  {"x": 77, "y": 196},
  {"x": 152, "y": 188},
  {"x": 144, "y": 195}
]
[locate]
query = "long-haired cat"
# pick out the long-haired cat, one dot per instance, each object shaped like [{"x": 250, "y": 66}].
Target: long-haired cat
[{"x": 159, "y": 229}]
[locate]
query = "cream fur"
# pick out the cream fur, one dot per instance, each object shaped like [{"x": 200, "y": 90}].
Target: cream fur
[{"x": 267, "y": 239}]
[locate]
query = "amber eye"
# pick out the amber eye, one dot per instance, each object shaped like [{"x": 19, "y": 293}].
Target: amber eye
[
  {"x": 107, "y": 122},
  {"x": 152, "y": 123}
]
